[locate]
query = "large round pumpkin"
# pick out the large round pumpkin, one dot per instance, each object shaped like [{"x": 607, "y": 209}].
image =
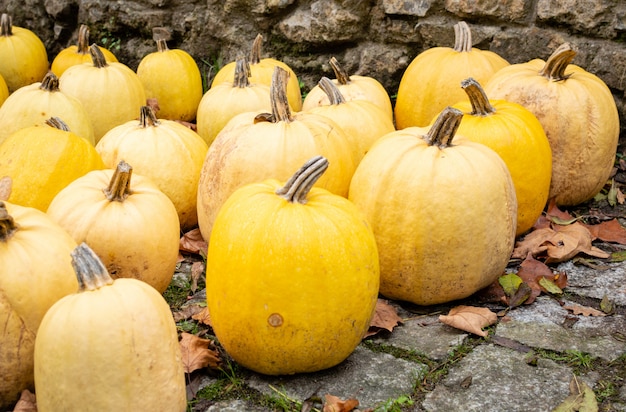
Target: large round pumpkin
[
  {"x": 117, "y": 221},
  {"x": 111, "y": 346},
  {"x": 35, "y": 272},
  {"x": 443, "y": 211},
  {"x": 578, "y": 113},
  {"x": 292, "y": 275}
]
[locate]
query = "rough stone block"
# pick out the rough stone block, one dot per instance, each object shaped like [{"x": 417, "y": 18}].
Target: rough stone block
[
  {"x": 595, "y": 18},
  {"x": 417, "y": 8},
  {"x": 517, "y": 11}
]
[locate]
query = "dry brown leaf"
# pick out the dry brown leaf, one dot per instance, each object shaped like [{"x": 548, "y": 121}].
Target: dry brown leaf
[
  {"x": 197, "y": 269},
  {"x": 203, "y": 317},
  {"x": 533, "y": 243},
  {"x": 553, "y": 211},
  {"x": 470, "y": 319},
  {"x": 27, "y": 402},
  {"x": 186, "y": 312},
  {"x": 193, "y": 242},
  {"x": 385, "y": 318},
  {"x": 571, "y": 240},
  {"x": 6, "y": 184},
  {"x": 335, "y": 404},
  {"x": 583, "y": 310},
  {"x": 609, "y": 231},
  {"x": 198, "y": 353}
]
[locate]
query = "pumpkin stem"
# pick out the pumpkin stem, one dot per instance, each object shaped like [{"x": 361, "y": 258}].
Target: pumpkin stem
[
  {"x": 6, "y": 25},
  {"x": 255, "y": 51},
  {"x": 477, "y": 97},
  {"x": 331, "y": 90},
  {"x": 82, "y": 46},
  {"x": 57, "y": 123},
  {"x": 162, "y": 45},
  {"x": 90, "y": 270},
  {"x": 462, "y": 37},
  {"x": 147, "y": 117},
  {"x": 97, "y": 57},
  {"x": 161, "y": 35},
  {"x": 7, "y": 224},
  {"x": 340, "y": 73},
  {"x": 119, "y": 186},
  {"x": 50, "y": 83},
  {"x": 278, "y": 98},
  {"x": 242, "y": 72},
  {"x": 555, "y": 66},
  {"x": 444, "y": 128},
  {"x": 299, "y": 185}
]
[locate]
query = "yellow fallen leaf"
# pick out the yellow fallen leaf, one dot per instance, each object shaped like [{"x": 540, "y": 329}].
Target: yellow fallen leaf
[{"x": 470, "y": 319}]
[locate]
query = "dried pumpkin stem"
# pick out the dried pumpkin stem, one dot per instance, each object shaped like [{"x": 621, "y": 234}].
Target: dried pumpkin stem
[
  {"x": 443, "y": 130},
  {"x": 147, "y": 117},
  {"x": 242, "y": 72},
  {"x": 119, "y": 186},
  {"x": 331, "y": 90},
  {"x": 299, "y": 185},
  {"x": 97, "y": 57},
  {"x": 462, "y": 37},
  {"x": 161, "y": 45},
  {"x": 7, "y": 224},
  {"x": 255, "y": 51},
  {"x": 50, "y": 83},
  {"x": 341, "y": 74},
  {"x": 477, "y": 97},
  {"x": 555, "y": 66},
  {"x": 278, "y": 99},
  {"x": 82, "y": 45},
  {"x": 90, "y": 271},
  {"x": 6, "y": 25},
  {"x": 57, "y": 123}
]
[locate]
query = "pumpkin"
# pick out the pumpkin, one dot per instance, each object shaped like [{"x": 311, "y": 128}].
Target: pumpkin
[
  {"x": 165, "y": 151},
  {"x": 352, "y": 87},
  {"x": 224, "y": 101},
  {"x": 111, "y": 93},
  {"x": 4, "y": 90},
  {"x": 256, "y": 146},
  {"x": 33, "y": 104},
  {"x": 430, "y": 82},
  {"x": 261, "y": 71},
  {"x": 517, "y": 136},
  {"x": 362, "y": 120},
  {"x": 172, "y": 77},
  {"x": 111, "y": 346},
  {"x": 578, "y": 113},
  {"x": 442, "y": 208},
  {"x": 117, "y": 222},
  {"x": 42, "y": 160},
  {"x": 22, "y": 53},
  {"x": 36, "y": 271},
  {"x": 77, "y": 53},
  {"x": 272, "y": 242}
]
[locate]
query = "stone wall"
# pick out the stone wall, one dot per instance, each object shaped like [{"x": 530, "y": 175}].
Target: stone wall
[{"x": 376, "y": 38}]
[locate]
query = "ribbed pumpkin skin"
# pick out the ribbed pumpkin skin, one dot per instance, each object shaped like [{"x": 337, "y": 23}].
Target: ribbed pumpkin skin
[
  {"x": 4, "y": 90},
  {"x": 579, "y": 117},
  {"x": 35, "y": 272},
  {"x": 42, "y": 160},
  {"x": 119, "y": 230},
  {"x": 290, "y": 287},
  {"x": 444, "y": 219},
  {"x": 71, "y": 56},
  {"x": 115, "y": 349}
]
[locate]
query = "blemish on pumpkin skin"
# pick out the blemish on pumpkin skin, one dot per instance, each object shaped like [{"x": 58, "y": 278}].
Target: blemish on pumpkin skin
[{"x": 275, "y": 320}]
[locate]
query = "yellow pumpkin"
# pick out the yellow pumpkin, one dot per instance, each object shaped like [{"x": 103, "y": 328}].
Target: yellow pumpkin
[
  {"x": 111, "y": 93},
  {"x": 117, "y": 222},
  {"x": 430, "y": 82},
  {"x": 22, "y": 53},
  {"x": 111, "y": 346},
  {"x": 4, "y": 90},
  {"x": 256, "y": 146},
  {"x": 172, "y": 77},
  {"x": 578, "y": 113},
  {"x": 443, "y": 211},
  {"x": 261, "y": 71},
  {"x": 78, "y": 53},
  {"x": 35, "y": 272},
  {"x": 165, "y": 151},
  {"x": 272, "y": 242},
  {"x": 42, "y": 160},
  {"x": 224, "y": 101},
  {"x": 352, "y": 87},
  {"x": 33, "y": 104},
  {"x": 516, "y": 135}
]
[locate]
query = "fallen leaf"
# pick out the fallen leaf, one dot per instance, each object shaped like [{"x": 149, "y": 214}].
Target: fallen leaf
[
  {"x": 583, "y": 310},
  {"x": 533, "y": 243},
  {"x": 521, "y": 295},
  {"x": 197, "y": 269},
  {"x": 5, "y": 187},
  {"x": 608, "y": 231},
  {"x": 186, "y": 312},
  {"x": 553, "y": 212},
  {"x": 335, "y": 404},
  {"x": 193, "y": 242},
  {"x": 510, "y": 283},
  {"x": 530, "y": 271},
  {"x": 198, "y": 353},
  {"x": 469, "y": 319},
  {"x": 549, "y": 286},
  {"x": 581, "y": 398},
  {"x": 606, "y": 305},
  {"x": 571, "y": 240},
  {"x": 27, "y": 402},
  {"x": 203, "y": 317},
  {"x": 492, "y": 293},
  {"x": 385, "y": 318}
]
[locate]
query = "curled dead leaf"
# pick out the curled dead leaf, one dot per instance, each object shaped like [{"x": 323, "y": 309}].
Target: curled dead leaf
[
  {"x": 198, "y": 353},
  {"x": 335, "y": 404},
  {"x": 583, "y": 310},
  {"x": 385, "y": 318},
  {"x": 193, "y": 242},
  {"x": 469, "y": 319},
  {"x": 26, "y": 403}
]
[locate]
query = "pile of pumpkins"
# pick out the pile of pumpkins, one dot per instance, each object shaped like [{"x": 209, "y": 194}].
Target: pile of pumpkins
[{"x": 311, "y": 207}]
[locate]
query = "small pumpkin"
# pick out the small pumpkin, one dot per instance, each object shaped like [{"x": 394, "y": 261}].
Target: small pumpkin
[
  {"x": 33, "y": 104},
  {"x": 273, "y": 241},
  {"x": 172, "y": 77},
  {"x": 117, "y": 222},
  {"x": 165, "y": 151},
  {"x": 577, "y": 112},
  {"x": 35, "y": 272},
  {"x": 42, "y": 160},
  {"x": 4, "y": 90},
  {"x": 78, "y": 53},
  {"x": 111, "y": 346},
  {"x": 442, "y": 208},
  {"x": 430, "y": 82},
  {"x": 22, "y": 53},
  {"x": 261, "y": 71}
]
